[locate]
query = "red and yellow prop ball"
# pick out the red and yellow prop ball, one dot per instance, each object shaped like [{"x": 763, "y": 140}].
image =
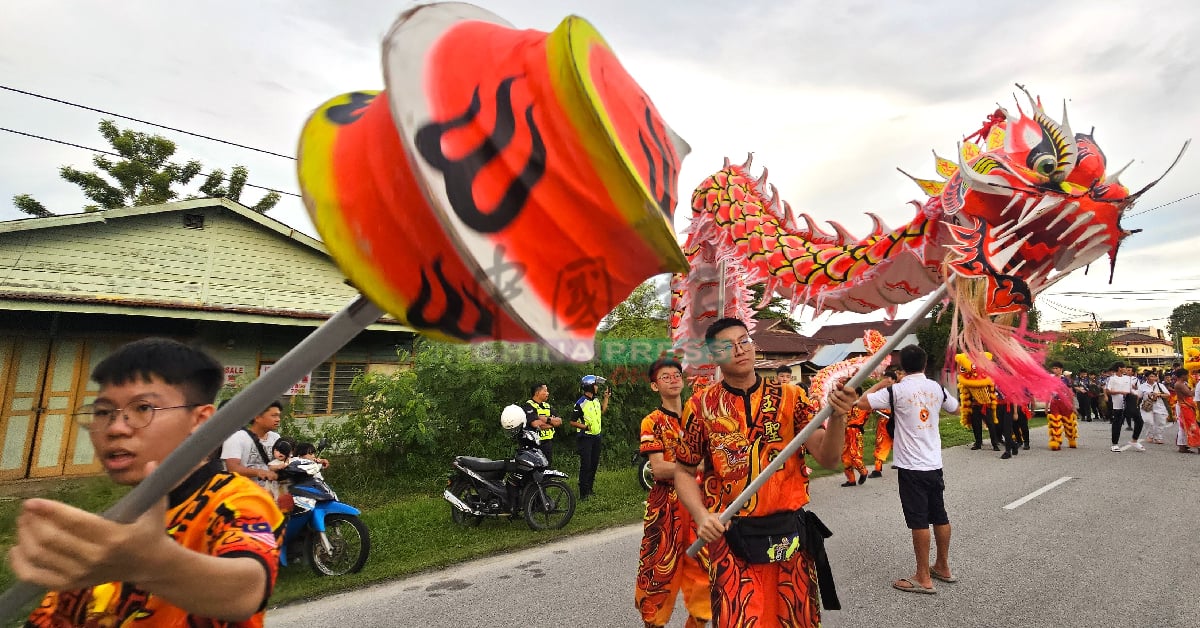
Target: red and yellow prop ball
[{"x": 508, "y": 184}]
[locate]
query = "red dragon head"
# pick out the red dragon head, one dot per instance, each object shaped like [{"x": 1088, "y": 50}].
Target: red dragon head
[{"x": 1030, "y": 205}]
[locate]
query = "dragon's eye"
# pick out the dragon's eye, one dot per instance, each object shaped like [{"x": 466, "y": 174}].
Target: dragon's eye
[{"x": 1045, "y": 165}]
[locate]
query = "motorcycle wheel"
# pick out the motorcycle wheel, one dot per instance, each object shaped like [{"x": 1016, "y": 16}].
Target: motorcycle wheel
[
  {"x": 351, "y": 543},
  {"x": 553, "y": 513},
  {"x": 645, "y": 475},
  {"x": 465, "y": 491}
]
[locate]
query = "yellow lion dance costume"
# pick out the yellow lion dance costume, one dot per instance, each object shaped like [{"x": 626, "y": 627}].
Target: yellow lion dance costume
[{"x": 977, "y": 398}]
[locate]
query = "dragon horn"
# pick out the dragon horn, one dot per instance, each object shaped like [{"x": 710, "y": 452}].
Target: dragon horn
[
  {"x": 727, "y": 164},
  {"x": 1134, "y": 197},
  {"x": 749, "y": 159},
  {"x": 970, "y": 176},
  {"x": 878, "y": 227},
  {"x": 762, "y": 180}
]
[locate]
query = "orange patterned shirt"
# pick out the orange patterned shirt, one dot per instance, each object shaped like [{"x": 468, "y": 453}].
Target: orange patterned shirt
[
  {"x": 211, "y": 512},
  {"x": 736, "y": 434}
]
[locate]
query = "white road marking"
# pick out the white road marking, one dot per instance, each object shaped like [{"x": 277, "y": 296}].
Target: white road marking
[{"x": 1030, "y": 496}]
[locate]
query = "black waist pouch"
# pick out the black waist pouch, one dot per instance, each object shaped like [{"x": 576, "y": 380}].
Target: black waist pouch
[{"x": 775, "y": 538}]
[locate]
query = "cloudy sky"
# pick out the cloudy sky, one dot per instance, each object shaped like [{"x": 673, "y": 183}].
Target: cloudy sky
[{"x": 831, "y": 96}]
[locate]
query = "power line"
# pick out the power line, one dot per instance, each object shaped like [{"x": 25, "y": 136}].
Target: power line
[
  {"x": 161, "y": 126},
  {"x": 1146, "y": 211},
  {"x": 106, "y": 152}
]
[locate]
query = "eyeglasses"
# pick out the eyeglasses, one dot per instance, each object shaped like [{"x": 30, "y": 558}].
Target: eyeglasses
[
  {"x": 722, "y": 347},
  {"x": 670, "y": 377},
  {"x": 138, "y": 414}
]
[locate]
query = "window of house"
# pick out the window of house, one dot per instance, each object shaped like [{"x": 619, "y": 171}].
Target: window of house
[{"x": 329, "y": 390}]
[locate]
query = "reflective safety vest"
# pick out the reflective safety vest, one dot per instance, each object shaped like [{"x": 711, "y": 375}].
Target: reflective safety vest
[
  {"x": 543, "y": 411},
  {"x": 591, "y": 414}
]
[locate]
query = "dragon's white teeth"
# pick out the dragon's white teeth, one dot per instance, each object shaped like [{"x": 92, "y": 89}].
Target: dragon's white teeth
[
  {"x": 1016, "y": 198},
  {"x": 1002, "y": 258},
  {"x": 1058, "y": 218},
  {"x": 1113, "y": 179},
  {"x": 1003, "y": 230},
  {"x": 1089, "y": 232},
  {"x": 1016, "y": 268},
  {"x": 1029, "y": 214}
]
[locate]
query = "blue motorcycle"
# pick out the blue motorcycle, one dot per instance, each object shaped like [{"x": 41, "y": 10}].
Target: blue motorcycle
[{"x": 324, "y": 532}]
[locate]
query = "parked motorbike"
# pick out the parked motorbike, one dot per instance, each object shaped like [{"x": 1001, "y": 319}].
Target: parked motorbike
[
  {"x": 522, "y": 486},
  {"x": 323, "y": 531}
]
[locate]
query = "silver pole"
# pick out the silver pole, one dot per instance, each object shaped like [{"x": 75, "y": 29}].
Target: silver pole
[
  {"x": 323, "y": 342},
  {"x": 799, "y": 439}
]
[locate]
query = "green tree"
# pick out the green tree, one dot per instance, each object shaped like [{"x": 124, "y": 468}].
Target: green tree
[
  {"x": 1184, "y": 321},
  {"x": 777, "y": 308},
  {"x": 934, "y": 338},
  {"x": 144, "y": 175},
  {"x": 641, "y": 315},
  {"x": 1083, "y": 349}
]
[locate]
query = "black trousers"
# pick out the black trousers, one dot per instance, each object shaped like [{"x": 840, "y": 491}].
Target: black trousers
[
  {"x": 547, "y": 447},
  {"x": 1020, "y": 428},
  {"x": 1084, "y": 406},
  {"x": 1096, "y": 413},
  {"x": 1004, "y": 414},
  {"x": 979, "y": 420},
  {"x": 589, "y": 461},
  {"x": 1131, "y": 414}
]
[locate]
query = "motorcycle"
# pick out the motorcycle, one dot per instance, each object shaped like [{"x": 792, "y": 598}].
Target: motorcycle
[
  {"x": 522, "y": 486},
  {"x": 321, "y": 530}
]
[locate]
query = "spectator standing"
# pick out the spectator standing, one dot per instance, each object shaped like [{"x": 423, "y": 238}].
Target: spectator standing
[
  {"x": 918, "y": 461},
  {"x": 1154, "y": 394}
]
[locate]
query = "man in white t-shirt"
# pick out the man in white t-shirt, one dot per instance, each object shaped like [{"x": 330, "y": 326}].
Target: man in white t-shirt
[
  {"x": 917, "y": 458},
  {"x": 1118, "y": 388},
  {"x": 243, "y": 456}
]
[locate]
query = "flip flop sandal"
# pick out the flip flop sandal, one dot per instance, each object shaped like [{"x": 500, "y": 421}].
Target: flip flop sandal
[
  {"x": 937, "y": 576},
  {"x": 913, "y": 587}
]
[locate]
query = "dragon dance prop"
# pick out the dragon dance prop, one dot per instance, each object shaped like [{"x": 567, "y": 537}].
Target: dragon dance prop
[
  {"x": 824, "y": 381},
  {"x": 463, "y": 200},
  {"x": 1025, "y": 202}
]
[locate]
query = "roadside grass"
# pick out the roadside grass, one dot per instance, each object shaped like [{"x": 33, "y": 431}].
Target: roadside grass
[{"x": 410, "y": 525}]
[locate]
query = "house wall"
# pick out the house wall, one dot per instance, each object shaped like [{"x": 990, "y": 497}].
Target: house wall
[{"x": 230, "y": 262}]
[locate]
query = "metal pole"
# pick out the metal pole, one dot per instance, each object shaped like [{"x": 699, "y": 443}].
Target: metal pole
[
  {"x": 323, "y": 342},
  {"x": 799, "y": 439}
]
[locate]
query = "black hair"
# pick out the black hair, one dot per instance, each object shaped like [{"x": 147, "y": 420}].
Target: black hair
[
  {"x": 1117, "y": 366},
  {"x": 304, "y": 449},
  {"x": 535, "y": 388},
  {"x": 274, "y": 404},
  {"x": 1056, "y": 365},
  {"x": 195, "y": 373},
  {"x": 1181, "y": 372},
  {"x": 283, "y": 446},
  {"x": 721, "y": 325},
  {"x": 784, "y": 369},
  {"x": 912, "y": 359},
  {"x": 663, "y": 363}
]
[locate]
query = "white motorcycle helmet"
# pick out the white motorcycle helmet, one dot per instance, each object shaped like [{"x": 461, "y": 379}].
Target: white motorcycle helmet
[{"x": 512, "y": 418}]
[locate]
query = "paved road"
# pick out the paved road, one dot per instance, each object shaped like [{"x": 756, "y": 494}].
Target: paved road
[{"x": 1116, "y": 544}]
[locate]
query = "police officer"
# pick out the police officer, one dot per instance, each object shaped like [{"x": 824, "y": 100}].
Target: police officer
[
  {"x": 539, "y": 417},
  {"x": 586, "y": 417}
]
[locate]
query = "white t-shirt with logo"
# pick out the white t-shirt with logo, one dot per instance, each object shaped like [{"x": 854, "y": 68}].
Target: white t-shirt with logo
[{"x": 917, "y": 445}]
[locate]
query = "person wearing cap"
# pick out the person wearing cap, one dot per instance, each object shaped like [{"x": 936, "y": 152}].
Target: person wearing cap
[{"x": 586, "y": 417}]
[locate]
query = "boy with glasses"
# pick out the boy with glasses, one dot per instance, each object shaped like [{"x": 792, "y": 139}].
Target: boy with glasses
[
  {"x": 664, "y": 568},
  {"x": 766, "y": 565},
  {"x": 215, "y": 565}
]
